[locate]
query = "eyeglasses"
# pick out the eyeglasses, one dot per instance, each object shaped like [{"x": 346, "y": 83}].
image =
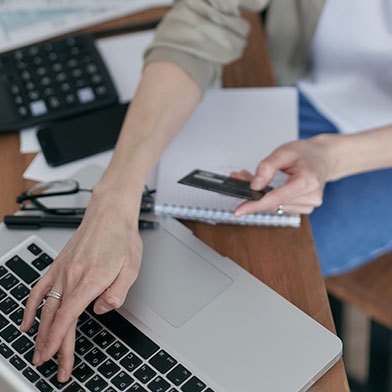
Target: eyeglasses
[
  {"x": 50, "y": 189},
  {"x": 43, "y": 190}
]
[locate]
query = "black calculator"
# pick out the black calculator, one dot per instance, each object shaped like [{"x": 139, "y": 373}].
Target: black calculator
[{"x": 53, "y": 80}]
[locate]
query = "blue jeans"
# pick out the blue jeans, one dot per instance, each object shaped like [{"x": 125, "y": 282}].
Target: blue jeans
[{"x": 354, "y": 224}]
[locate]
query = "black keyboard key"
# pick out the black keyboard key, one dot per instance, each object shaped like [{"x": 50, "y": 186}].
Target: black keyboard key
[
  {"x": 128, "y": 333},
  {"x": 82, "y": 345},
  {"x": 117, "y": 350},
  {"x": 122, "y": 381},
  {"x": 22, "y": 345},
  {"x": 34, "y": 249},
  {"x": 103, "y": 339},
  {"x": 18, "y": 363},
  {"x": 8, "y": 305},
  {"x": 39, "y": 264},
  {"x": 58, "y": 385},
  {"x": 20, "y": 292},
  {"x": 8, "y": 281},
  {"x": 158, "y": 385},
  {"x": 30, "y": 374},
  {"x": 173, "y": 390},
  {"x": 33, "y": 329},
  {"x": 131, "y": 362},
  {"x": 209, "y": 390},
  {"x": 108, "y": 369},
  {"x": 95, "y": 357},
  {"x": 178, "y": 375},
  {"x": 74, "y": 387},
  {"x": 22, "y": 269},
  {"x": 90, "y": 328},
  {"x": 3, "y": 322},
  {"x": 145, "y": 374},
  {"x": 17, "y": 316},
  {"x": 162, "y": 361},
  {"x": 2, "y": 294},
  {"x": 46, "y": 259},
  {"x": 10, "y": 333},
  {"x": 83, "y": 372},
  {"x": 193, "y": 385},
  {"x": 136, "y": 388},
  {"x": 96, "y": 384},
  {"x": 43, "y": 386},
  {"x": 47, "y": 368},
  {"x": 29, "y": 356},
  {"x": 3, "y": 271},
  {"x": 5, "y": 351},
  {"x": 82, "y": 318}
]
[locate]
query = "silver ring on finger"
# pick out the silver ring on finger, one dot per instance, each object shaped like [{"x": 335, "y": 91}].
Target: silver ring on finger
[
  {"x": 54, "y": 294},
  {"x": 280, "y": 210}
]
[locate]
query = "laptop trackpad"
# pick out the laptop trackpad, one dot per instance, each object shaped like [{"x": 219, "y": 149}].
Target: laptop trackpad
[{"x": 175, "y": 281}]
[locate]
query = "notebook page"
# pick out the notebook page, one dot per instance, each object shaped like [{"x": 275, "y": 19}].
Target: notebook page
[{"x": 232, "y": 129}]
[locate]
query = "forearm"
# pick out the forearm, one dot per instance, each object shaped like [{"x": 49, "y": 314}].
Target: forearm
[
  {"x": 165, "y": 98},
  {"x": 358, "y": 153}
]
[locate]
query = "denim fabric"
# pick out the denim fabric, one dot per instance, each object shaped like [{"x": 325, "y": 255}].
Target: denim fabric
[{"x": 354, "y": 224}]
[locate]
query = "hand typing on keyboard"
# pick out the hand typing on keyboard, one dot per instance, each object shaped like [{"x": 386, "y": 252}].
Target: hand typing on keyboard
[{"x": 96, "y": 262}]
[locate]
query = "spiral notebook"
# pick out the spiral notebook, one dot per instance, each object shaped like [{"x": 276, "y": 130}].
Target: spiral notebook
[{"x": 232, "y": 129}]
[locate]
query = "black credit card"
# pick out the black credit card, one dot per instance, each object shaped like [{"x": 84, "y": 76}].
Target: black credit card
[{"x": 223, "y": 184}]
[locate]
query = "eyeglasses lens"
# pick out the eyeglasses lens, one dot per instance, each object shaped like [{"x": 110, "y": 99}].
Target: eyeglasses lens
[{"x": 53, "y": 187}]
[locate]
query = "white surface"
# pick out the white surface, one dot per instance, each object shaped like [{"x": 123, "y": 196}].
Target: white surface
[
  {"x": 21, "y": 26},
  {"x": 351, "y": 77},
  {"x": 232, "y": 129}
]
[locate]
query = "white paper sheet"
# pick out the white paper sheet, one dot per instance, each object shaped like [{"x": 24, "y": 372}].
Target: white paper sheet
[{"x": 23, "y": 26}]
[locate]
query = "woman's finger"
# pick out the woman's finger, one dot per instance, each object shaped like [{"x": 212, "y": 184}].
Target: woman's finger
[
  {"x": 48, "y": 314},
  {"x": 65, "y": 355},
  {"x": 72, "y": 306},
  {"x": 295, "y": 186},
  {"x": 114, "y": 296},
  {"x": 37, "y": 294}
]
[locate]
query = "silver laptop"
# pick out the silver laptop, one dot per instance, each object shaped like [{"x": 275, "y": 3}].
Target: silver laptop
[{"x": 194, "y": 321}]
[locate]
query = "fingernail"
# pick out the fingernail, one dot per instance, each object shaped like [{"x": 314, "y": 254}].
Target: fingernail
[
  {"x": 104, "y": 309},
  {"x": 37, "y": 358},
  {"x": 237, "y": 214},
  {"x": 61, "y": 375},
  {"x": 257, "y": 183}
]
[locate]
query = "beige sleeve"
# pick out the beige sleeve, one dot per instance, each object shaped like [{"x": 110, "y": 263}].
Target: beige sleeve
[{"x": 201, "y": 36}]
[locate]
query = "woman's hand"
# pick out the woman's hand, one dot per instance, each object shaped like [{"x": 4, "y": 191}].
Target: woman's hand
[
  {"x": 307, "y": 162},
  {"x": 102, "y": 261}
]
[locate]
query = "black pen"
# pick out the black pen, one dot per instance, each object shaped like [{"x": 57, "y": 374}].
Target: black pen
[{"x": 24, "y": 222}]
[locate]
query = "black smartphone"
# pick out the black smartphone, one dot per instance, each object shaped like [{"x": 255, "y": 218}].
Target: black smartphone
[
  {"x": 81, "y": 136},
  {"x": 223, "y": 184}
]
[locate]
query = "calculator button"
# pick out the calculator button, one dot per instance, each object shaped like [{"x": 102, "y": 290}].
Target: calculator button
[
  {"x": 18, "y": 100},
  {"x": 70, "y": 99},
  {"x": 85, "y": 95},
  {"x": 65, "y": 87},
  {"x": 101, "y": 90},
  {"x": 54, "y": 102},
  {"x": 91, "y": 68},
  {"x": 33, "y": 95},
  {"x": 45, "y": 81},
  {"x": 57, "y": 67},
  {"x": 38, "y": 108},
  {"x": 15, "y": 89},
  {"x": 30, "y": 85},
  {"x": 41, "y": 71},
  {"x": 61, "y": 77},
  {"x": 22, "y": 110}
]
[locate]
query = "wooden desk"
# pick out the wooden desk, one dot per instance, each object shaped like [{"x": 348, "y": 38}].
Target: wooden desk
[{"x": 283, "y": 258}]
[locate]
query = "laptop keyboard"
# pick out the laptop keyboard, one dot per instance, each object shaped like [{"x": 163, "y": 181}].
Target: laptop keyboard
[{"x": 111, "y": 354}]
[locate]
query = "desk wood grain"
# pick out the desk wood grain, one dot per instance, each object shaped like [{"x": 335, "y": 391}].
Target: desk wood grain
[{"x": 283, "y": 258}]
